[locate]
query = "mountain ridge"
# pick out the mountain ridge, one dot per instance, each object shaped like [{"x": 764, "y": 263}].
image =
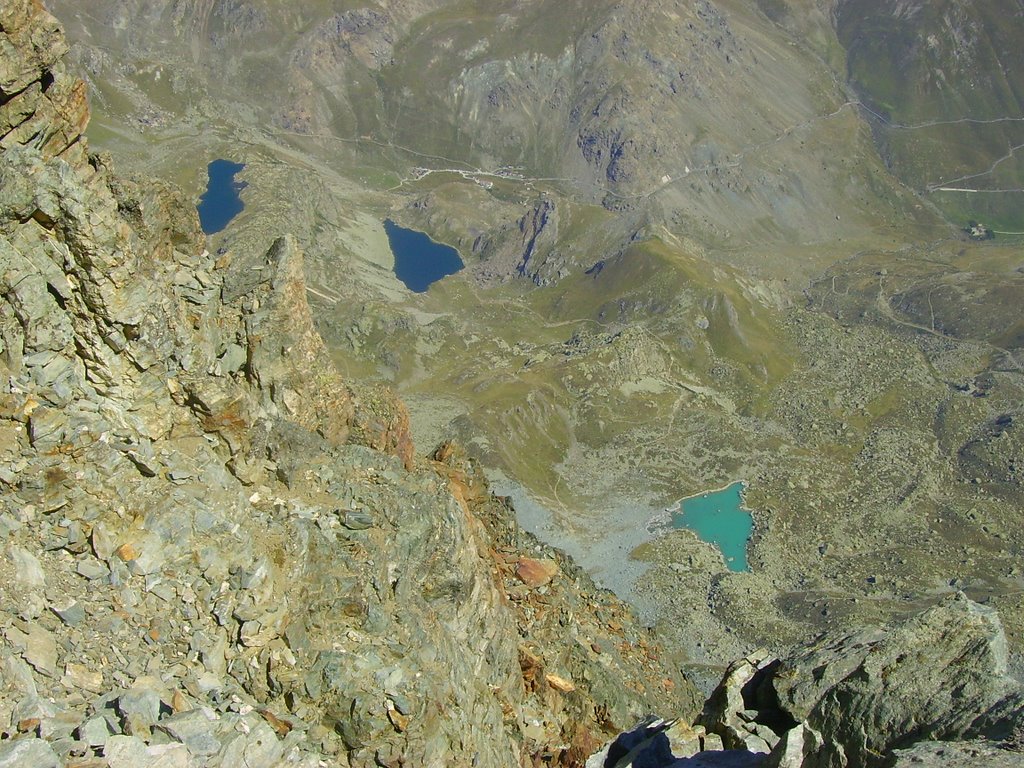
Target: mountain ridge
[{"x": 206, "y": 525}]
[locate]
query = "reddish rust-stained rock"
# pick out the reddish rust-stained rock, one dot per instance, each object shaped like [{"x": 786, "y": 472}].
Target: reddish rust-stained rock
[
  {"x": 535, "y": 573},
  {"x": 33, "y": 44},
  {"x": 287, "y": 357},
  {"x": 468, "y": 488},
  {"x": 381, "y": 422}
]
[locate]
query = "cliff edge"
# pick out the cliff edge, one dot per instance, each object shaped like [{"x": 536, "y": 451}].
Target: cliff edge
[{"x": 217, "y": 551}]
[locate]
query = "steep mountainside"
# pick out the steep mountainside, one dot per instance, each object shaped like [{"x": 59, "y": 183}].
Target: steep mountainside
[
  {"x": 702, "y": 115},
  {"x": 945, "y": 83},
  {"x": 219, "y": 552}
]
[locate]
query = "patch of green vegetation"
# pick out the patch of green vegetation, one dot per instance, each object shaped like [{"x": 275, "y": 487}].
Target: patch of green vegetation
[
  {"x": 739, "y": 329},
  {"x": 996, "y": 212},
  {"x": 945, "y": 76},
  {"x": 375, "y": 177}
]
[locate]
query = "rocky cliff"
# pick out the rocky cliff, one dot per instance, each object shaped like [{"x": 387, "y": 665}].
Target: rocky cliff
[
  {"x": 932, "y": 690},
  {"x": 216, "y": 551}
]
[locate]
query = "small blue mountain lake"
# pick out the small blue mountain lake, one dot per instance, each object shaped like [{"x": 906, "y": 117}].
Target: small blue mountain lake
[
  {"x": 419, "y": 261},
  {"x": 718, "y": 517},
  {"x": 220, "y": 202}
]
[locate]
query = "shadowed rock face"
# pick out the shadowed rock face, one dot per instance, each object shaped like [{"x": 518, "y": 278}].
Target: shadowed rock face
[
  {"x": 215, "y": 548},
  {"x": 521, "y": 250},
  {"x": 919, "y": 690}
]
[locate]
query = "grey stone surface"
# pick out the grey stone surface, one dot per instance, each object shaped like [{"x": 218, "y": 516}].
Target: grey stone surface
[
  {"x": 955, "y": 754},
  {"x": 71, "y": 613},
  {"x": 95, "y": 731},
  {"x": 140, "y": 707},
  {"x": 912, "y": 694},
  {"x": 28, "y": 753},
  {"x": 27, "y": 569},
  {"x": 195, "y": 729},
  {"x": 930, "y": 678}
]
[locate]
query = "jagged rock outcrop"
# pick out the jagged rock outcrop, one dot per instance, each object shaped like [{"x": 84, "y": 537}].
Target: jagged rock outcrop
[
  {"x": 928, "y": 689},
  {"x": 524, "y": 249},
  {"x": 727, "y": 713},
  {"x": 39, "y": 106},
  {"x": 934, "y": 677},
  {"x": 216, "y": 551}
]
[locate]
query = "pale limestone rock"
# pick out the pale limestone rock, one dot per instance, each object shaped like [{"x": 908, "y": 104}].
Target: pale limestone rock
[{"x": 27, "y": 568}]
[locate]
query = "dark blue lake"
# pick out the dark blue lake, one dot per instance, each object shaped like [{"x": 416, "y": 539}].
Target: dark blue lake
[
  {"x": 419, "y": 261},
  {"x": 220, "y": 202},
  {"x": 718, "y": 517}
]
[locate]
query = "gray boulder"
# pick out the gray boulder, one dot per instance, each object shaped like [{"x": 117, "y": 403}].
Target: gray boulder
[
  {"x": 934, "y": 677},
  {"x": 956, "y": 754},
  {"x": 28, "y": 753},
  {"x": 931, "y": 691}
]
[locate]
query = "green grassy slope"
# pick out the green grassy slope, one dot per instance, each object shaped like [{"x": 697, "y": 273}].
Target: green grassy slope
[{"x": 946, "y": 79}]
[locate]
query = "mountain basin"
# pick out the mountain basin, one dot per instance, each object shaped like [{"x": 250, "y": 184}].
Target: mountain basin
[
  {"x": 419, "y": 261},
  {"x": 719, "y": 518},
  {"x": 221, "y": 201}
]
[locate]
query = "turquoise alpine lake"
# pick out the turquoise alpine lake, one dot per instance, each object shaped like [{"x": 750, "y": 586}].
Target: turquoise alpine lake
[
  {"x": 718, "y": 517},
  {"x": 419, "y": 261},
  {"x": 220, "y": 202}
]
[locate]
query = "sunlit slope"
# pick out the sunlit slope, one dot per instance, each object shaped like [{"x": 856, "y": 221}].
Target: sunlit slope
[
  {"x": 946, "y": 79},
  {"x": 602, "y": 361}
]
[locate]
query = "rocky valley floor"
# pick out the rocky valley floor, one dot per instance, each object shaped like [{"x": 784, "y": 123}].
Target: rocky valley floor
[{"x": 223, "y": 546}]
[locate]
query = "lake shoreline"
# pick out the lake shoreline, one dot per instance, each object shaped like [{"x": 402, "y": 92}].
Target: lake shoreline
[
  {"x": 419, "y": 260},
  {"x": 720, "y": 518},
  {"x": 222, "y": 201},
  {"x": 677, "y": 505}
]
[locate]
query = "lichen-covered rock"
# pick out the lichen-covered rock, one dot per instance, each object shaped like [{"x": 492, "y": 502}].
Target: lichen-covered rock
[{"x": 930, "y": 678}]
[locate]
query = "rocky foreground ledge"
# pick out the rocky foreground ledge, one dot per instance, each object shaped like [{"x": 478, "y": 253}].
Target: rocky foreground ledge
[
  {"x": 214, "y": 550},
  {"x": 932, "y": 691}
]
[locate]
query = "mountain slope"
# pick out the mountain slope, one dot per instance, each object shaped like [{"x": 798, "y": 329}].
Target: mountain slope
[
  {"x": 217, "y": 551},
  {"x": 687, "y": 263},
  {"x": 946, "y": 83}
]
